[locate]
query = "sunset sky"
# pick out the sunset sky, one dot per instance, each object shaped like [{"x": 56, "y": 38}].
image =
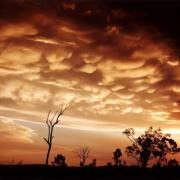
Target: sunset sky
[{"x": 116, "y": 64}]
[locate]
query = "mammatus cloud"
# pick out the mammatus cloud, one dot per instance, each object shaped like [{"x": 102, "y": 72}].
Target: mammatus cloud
[{"x": 97, "y": 60}]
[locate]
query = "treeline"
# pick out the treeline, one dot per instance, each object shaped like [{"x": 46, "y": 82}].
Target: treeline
[{"x": 153, "y": 145}]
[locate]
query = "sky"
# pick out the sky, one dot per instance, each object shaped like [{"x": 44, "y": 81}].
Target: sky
[{"x": 116, "y": 64}]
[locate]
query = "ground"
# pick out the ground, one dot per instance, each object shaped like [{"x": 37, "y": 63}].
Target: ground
[{"x": 39, "y": 172}]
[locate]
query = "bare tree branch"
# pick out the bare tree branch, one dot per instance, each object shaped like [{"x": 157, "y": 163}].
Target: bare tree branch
[
  {"x": 50, "y": 124},
  {"x": 83, "y": 154}
]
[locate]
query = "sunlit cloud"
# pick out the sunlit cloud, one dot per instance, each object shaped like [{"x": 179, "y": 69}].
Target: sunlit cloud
[
  {"x": 17, "y": 30},
  {"x": 9, "y": 129}
]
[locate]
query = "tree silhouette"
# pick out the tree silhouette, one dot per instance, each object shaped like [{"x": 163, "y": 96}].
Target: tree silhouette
[
  {"x": 109, "y": 164},
  {"x": 59, "y": 160},
  {"x": 151, "y": 144},
  {"x": 117, "y": 155},
  {"x": 83, "y": 154},
  {"x": 173, "y": 163},
  {"x": 93, "y": 164},
  {"x": 51, "y": 124}
]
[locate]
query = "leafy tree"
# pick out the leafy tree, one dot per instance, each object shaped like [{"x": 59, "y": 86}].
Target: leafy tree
[
  {"x": 109, "y": 164},
  {"x": 117, "y": 157},
  {"x": 173, "y": 163},
  {"x": 153, "y": 144},
  {"x": 59, "y": 160},
  {"x": 93, "y": 164}
]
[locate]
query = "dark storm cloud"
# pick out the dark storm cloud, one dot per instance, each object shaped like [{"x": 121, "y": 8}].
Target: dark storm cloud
[{"x": 100, "y": 51}]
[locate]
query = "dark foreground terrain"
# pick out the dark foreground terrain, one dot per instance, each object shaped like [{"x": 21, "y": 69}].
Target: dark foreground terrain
[{"x": 39, "y": 172}]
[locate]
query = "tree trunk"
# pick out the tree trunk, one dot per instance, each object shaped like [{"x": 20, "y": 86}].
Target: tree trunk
[{"x": 48, "y": 153}]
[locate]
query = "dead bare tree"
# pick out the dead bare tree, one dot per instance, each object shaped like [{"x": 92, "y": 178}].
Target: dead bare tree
[
  {"x": 51, "y": 124},
  {"x": 83, "y": 154}
]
